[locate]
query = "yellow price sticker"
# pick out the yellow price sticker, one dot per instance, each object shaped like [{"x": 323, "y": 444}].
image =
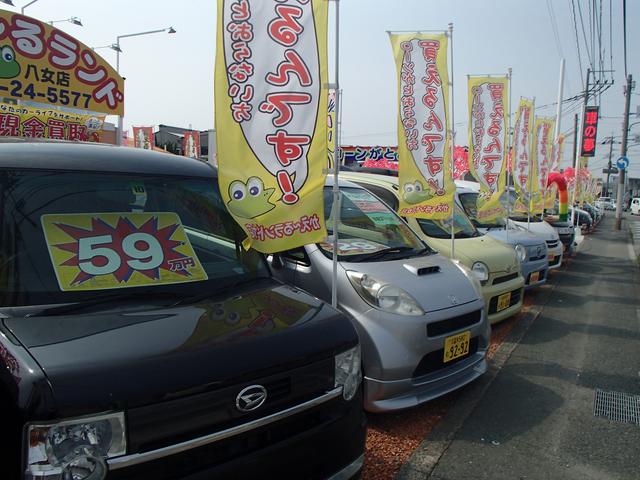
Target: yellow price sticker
[{"x": 99, "y": 251}]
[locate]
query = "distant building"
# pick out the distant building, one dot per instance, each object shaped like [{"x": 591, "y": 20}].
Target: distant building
[{"x": 171, "y": 139}]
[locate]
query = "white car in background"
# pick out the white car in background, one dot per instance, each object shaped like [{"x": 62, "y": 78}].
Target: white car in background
[{"x": 535, "y": 225}]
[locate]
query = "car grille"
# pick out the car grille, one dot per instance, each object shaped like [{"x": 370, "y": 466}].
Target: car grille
[
  {"x": 433, "y": 361},
  {"x": 555, "y": 261},
  {"x": 515, "y": 298},
  {"x": 166, "y": 423},
  {"x": 505, "y": 279},
  {"x": 242, "y": 446},
  {"x": 552, "y": 243},
  {"x": 534, "y": 255},
  {"x": 449, "y": 325}
]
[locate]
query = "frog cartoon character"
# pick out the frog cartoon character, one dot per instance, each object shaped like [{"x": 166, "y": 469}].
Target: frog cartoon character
[
  {"x": 251, "y": 199},
  {"x": 415, "y": 192},
  {"x": 9, "y": 68}
]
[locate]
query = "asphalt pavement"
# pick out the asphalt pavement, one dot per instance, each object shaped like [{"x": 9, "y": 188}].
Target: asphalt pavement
[{"x": 533, "y": 417}]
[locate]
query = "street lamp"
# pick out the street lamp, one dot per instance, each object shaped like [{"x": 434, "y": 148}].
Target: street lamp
[
  {"x": 25, "y": 7},
  {"x": 118, "y": 50},
  {"x": 74, "y": 20},
  {"x": 113, "y": 46}
]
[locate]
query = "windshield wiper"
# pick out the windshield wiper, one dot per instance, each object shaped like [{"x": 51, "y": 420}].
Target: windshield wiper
[{"x": 72, "y": 307}]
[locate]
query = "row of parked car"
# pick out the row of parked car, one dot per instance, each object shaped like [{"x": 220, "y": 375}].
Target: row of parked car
[{"x": 234, "y": 365}]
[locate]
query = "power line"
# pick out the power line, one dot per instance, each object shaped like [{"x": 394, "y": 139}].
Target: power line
[
  {"x": 584, "y": 36},
  {"x": 610, "y": 36},
  {"x": 554, "y": 27},
  {"x": 624, "y": 33},
  {"x": 575, "y": 28}
]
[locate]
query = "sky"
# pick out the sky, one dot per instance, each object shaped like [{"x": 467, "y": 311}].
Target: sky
[{"x": 169, "y": 77}]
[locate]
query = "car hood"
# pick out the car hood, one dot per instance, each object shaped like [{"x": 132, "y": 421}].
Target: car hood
[
  {"x": 494, "y": 254},
  {"x": 431, "y": 280},
  {"x": 542, "y": 229},
  {"x": 115, "y": 360},
  {"x": 515, "y": 236}
]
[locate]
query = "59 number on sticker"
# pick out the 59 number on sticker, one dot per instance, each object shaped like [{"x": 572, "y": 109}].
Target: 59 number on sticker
[
  {"x": 113, "y": 250},
  {"x": 94, "y": 258}
]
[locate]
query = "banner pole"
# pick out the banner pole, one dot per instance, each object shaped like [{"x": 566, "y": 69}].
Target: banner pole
[
  {"x": 453, "y": 143},
  {"x": 509, "y": 154},
  {"x": 336, "y": 169},
  {"x": 531, "y": 140}
]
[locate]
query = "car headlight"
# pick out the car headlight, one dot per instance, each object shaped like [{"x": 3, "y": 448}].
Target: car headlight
[
  {"x": 76, "y": 448},
  {"x": 384, "y": 296},
  {"x": 521, "y": 252},
  {"x": 481, "y": 271},
  {"x": 348, "y": 372}
]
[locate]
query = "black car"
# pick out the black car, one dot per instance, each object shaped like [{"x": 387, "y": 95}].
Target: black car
[{"x": 139, "y": 340}]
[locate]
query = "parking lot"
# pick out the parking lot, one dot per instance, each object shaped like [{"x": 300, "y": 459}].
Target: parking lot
[{"x": 533, "y": 415}]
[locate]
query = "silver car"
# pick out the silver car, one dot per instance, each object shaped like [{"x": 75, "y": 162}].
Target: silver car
[{"x": 419, "y": 315}]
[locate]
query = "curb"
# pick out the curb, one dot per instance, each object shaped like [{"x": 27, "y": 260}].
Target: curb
[
  {"x": 422, "y": 462},
  {"x": 634, "y": 229}
]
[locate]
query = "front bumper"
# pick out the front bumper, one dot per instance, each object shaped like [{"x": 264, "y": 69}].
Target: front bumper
[
  {"x": 384, "y": 396},
  {"x": 492, "y": 292},
  {"x": 326, "y": 442},
  {"x": 529, "y": 268},
  {"x": 554, "y": 256},
  {"x": 403, "y": 356}
]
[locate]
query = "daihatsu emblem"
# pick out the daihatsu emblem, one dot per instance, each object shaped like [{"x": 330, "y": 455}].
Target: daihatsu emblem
[
  {"x": 454, "y": 300},
  {"x": 251, "y": 398}
]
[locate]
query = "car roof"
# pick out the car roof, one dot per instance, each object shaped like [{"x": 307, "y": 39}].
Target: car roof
[
  {"x": 98, "y": 157},
  {"x": 388, "y": 181},
  {"x": 373, "y": 178}
]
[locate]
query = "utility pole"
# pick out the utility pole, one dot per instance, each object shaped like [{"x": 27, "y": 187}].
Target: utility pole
[
  {"x": 623, "y": 150},
  {"x": 575, "y": 135},
  {"x": 576, "y": 166},
  {"x": 608, "y": 192}
]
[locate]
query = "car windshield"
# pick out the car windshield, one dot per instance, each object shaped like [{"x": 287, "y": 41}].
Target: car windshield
[
  {"x": 469, "y": 203},
  {"x": 368, "y": 230},
  {"x": 462, "y": 226},
  {"x": 73, "y": 236}
]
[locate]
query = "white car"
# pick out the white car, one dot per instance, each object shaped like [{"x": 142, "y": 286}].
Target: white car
[
  {"x": 535, "y": 225},
  {"x": 635, "y": 206}
]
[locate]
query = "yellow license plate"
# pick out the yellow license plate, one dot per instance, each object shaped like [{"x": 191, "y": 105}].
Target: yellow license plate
[
  {"x": 535, "y": 276},
  {"x": 503, "y": 301},
  {"x": 456, "y": 346}
]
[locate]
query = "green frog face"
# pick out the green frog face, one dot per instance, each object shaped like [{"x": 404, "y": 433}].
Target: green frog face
[
  {"x": 413, "y": 193},
  {"x": 251, "y": 199},
  {"x": 9, "y": 68}
]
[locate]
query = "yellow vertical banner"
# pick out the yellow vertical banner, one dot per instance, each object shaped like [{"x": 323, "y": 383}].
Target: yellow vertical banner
[
  {"x": 271, "y": 118},
  {"x": 424, "y": 150},
  {"x": 521, "y": 167},
  {"x": 488, "y": 101},
  {"x": 540, "y": 160}
]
